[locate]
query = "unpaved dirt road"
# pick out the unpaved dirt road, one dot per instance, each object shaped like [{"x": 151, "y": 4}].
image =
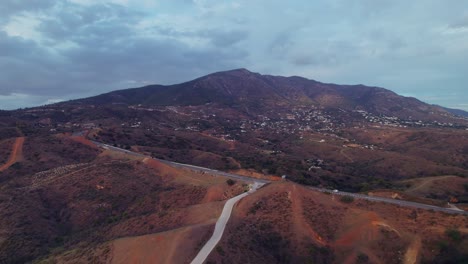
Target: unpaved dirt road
[{"x": 15, "y": 153}]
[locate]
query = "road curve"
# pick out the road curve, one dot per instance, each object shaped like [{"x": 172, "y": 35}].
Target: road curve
[
  {"x": 184, "y": 166},
  {"x": 221, "y": 225},
  {"x": 394, "y": 201},
  {"x": 249, "y": 179}
]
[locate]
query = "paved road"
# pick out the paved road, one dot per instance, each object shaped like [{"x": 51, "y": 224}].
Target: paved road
[
  {"x": 394, "y": 201},
  {"x": 211, "y": 171},
  {"x": 221, "y": 225},
  {"x": 249, "y": 179},
  {"x": 185, "y": 166}
]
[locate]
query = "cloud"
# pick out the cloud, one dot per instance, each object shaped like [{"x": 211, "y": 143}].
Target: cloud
[
  {"x": 222, "y": 38},
  {"x": 462, "y": 22},
  {"x": 93, "y": 48},
  {"x": 98, "y": 22},
  {"x": 75, "y": 48},
  {"x": 11, "y": 7}
]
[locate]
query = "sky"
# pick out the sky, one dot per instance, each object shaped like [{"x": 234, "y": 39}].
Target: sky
[{"x": 55, "y": 50}]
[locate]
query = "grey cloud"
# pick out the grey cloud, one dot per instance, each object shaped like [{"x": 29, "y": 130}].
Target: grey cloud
[
  {"x": 11, "y": 7},
  {"x": 325, "y": 53},
  {"x": 106, "y": 54},
  {"x": 142, "y": 58},
  {"x": 218, "y": 37},
  {"x": 460, "y": 23},
  {"x": 316, "y": 59},
  {"x": 93, "y": 48},
  {"x": 23, "y": 63},
  {"x": 281, "y": 44},
  {"x": 15, "y": 46},
  {"x": 89, "y": 23},
  {"x": 303, "y": 60},
  {"x": 223, "y": 38}
]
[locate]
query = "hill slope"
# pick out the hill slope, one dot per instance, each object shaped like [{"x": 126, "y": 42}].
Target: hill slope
[
  {"x": 65, "y": 200},
  {"x": 350, "y": 137},
  {"x": 244, "y": 89}
]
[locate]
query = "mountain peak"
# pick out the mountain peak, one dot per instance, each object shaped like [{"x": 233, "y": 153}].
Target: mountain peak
[
  {"x": 240, "y": 70},
  {"x": 236, "y": 72},
  {"x": 243, "y": 88}
]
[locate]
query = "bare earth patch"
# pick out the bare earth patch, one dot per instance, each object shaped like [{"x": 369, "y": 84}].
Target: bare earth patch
[
  {"x": 174, "y": 246},
  {"x": 15, "y": 154}
]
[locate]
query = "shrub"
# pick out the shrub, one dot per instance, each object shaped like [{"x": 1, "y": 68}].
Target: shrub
[
  {"x": 347, "y": 199},
  {"x": 230, "y": 182},
  {"x": 454, "y": 234},
  {"x": 362, "y": 258},
  {"x": 220, "y": 250}
]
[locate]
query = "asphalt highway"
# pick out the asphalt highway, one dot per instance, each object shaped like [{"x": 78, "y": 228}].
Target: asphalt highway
[
  {"x": 393, "y": 201},
  {"x": 185, "y": 166},
  {"x": 249, "y": 179}
]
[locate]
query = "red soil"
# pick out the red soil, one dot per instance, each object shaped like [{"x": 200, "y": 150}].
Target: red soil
[
  {"x": 84, "y": 141},
  {"x": 15, "y": 155},
  {"x": 164, "y": 247},
  {"x": 256, "y": 175},
  {"x": 300, "y": 224}
]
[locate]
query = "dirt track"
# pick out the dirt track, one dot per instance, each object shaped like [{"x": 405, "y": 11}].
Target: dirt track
[
  {"x": 411, "y": 255},
  {"x": 300, "y": 224},
  {"x": 15, "y": 153}
]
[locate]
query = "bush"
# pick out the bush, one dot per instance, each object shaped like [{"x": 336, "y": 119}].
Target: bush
[
  {"x": 220, "y": 250},
  {"x": 453, "y": 234},
  {"x": 230, "y": 182},
  {"x": 362, "y": 258},
  {"x": 347, "y": 199}
]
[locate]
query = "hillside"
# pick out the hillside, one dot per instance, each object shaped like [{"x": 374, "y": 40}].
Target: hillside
[
  {"x": 311, "y": 227},
  {"x": 63, "y": 199},
  {"x": 350, "y": 137},
  {"x": 457, "y": 112},
  {"x": 255, "y": 92},
  {"x": 69, "y": 205}
]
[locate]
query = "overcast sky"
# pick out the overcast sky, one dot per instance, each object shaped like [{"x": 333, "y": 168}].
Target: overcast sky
[{"x": 52, "y": 50}]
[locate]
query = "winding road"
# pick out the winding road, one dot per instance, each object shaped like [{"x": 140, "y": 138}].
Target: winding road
[
  {"x": 221, "y": 225},
  {"x": 394, "y": 201},
  {"x": 245, "y": 178}
]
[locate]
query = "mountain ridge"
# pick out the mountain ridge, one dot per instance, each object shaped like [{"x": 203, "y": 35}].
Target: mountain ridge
[{"x": 246, "y": 89}]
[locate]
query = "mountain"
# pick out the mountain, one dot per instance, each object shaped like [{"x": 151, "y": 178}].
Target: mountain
[
  {"x": 255, "y": 92},
  {"x": 351, "y": 137},
  {"x": 457, "y": 112},
  {"x": 65, "y": 199}
]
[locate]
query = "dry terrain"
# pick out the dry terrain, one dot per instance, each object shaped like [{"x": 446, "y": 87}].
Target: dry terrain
[
  {"x": 91, "y": 210},
  {"x": 62, "y": 199},
  {"x": 285, "y": 222},
  {"x": 15, "y": 154}
]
